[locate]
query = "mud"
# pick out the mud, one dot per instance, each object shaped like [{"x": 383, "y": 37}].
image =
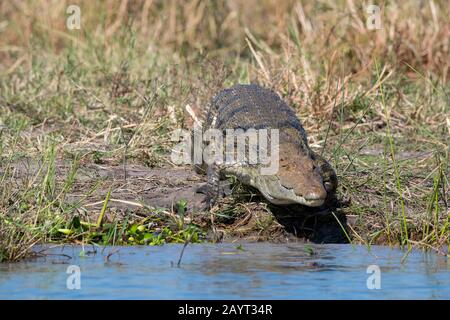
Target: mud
[{"x": 155, "y": 187}]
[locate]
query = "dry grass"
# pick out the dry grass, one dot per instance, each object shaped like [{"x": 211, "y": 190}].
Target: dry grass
[{"x": 377, "y": 101}]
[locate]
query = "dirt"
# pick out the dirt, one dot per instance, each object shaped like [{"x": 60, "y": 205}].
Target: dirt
[{"x": 155, "y": 187}]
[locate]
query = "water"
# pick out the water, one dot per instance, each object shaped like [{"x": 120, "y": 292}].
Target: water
[{"x": 260, "y": 271}]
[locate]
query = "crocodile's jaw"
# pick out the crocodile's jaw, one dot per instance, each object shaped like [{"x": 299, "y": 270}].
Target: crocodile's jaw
[
  {"x": 293, "y": 199},
  {"x": 271, "y": 188},
  {"x": 286, "y": 196}
]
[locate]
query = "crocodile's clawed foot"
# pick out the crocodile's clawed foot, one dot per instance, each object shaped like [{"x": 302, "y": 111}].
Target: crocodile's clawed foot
[
  {"x": 207, "y": 203},
  {"x": 211, "y": 198},
  {"x": 202, "y": 188},
  {"x": 224, "y": 189}
]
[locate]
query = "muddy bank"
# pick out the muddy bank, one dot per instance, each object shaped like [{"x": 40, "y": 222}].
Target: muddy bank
[{"x": 142, "y": 191}]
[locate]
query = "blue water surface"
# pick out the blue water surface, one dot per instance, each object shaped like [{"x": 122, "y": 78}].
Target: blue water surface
[{"x": 228, "y": 271}]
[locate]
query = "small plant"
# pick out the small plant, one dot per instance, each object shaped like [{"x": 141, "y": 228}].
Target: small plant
[
  {"x": 181, "y": 207},
  {"x": 309, "y": 250}
]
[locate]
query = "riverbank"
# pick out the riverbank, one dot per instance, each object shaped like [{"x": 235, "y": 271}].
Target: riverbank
[
  {"x": 136, "y": 205},
  {"x": 86, "y": 118}
]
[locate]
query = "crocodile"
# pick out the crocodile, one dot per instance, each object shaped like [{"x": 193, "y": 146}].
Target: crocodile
[{"x": 303, "y": 177}]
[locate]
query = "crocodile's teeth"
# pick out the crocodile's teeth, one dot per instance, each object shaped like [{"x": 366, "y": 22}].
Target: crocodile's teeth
[{"x": 313, "y": 203}]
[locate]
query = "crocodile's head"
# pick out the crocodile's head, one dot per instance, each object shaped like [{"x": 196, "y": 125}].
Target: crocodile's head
[{"x": 300, "y": 179}]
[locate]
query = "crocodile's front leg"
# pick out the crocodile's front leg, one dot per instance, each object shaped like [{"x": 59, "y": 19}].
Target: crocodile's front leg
[
  {"x": 214, "y": 188},
  {"x": 213, "y": 184}
]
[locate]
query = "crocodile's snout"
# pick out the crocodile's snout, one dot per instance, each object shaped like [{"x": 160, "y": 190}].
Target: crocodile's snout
[
  {"x": 315, "y": 198},
  {"x": 301, "y": 180},
  {"x": 312, "y": 189},
  {"x": 319, "y": 194},
  {"x": 297, "y": 182},
  {"x": 275, "y": 192}
]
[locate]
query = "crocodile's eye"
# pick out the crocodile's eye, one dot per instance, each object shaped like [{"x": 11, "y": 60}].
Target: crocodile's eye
[{"x": 287, "y": 186}]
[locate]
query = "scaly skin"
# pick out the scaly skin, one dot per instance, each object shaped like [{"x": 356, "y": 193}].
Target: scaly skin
[{"x": 303, "y": 176}]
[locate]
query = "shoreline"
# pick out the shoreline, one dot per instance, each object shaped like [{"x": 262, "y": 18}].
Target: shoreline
[{"x": 159, "y": 206}]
